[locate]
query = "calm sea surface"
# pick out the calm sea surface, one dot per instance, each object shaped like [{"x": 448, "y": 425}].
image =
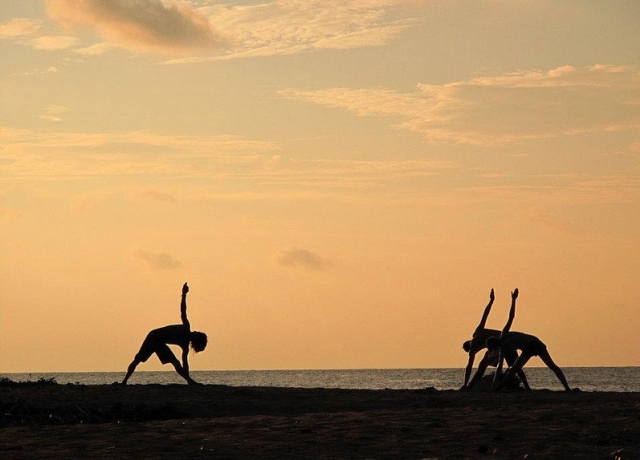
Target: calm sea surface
[{"x": 622, "y": 379}]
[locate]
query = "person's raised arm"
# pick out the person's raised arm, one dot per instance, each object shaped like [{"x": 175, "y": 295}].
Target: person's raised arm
[
  {"x": 512, "y": 312},
  {"x": 183, "y": 305},
  {"x": 487, "y": 310}
]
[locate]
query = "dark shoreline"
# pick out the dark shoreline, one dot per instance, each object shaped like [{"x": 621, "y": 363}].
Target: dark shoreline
[{"x": 210, "y": 421}]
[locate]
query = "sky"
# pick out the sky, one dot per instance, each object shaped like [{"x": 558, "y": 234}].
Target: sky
[{"x": 341, "y": 182}]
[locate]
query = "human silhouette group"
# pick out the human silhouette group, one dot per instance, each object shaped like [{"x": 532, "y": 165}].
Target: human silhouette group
[{"x": 516, "y": 348}]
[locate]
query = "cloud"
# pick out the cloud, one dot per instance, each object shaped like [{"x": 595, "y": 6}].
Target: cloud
[
  {"x": 27, "y": 154},
  {"x": 220, "y": 31},
  {"x": 301, "y": 258},
  {"x": 19, "y": 27},
  {"x": 34, "y": 156},
  {"x": 94, "y": 50},
  {"x": 49, "y": 42},
  {"x": 157, "y": 260},
  {"x": 54, "y": 112},
  {"x": 500, "y": 109},
  {"x": 142, "y": 25},
  {"x": 284, "y": 27}
]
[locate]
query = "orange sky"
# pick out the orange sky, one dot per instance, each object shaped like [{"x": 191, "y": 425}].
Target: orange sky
[{"x": 340, "y": 182}]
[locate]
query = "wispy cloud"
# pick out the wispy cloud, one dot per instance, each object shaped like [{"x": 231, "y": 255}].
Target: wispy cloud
[
  {"x": 302, "y": 258},
  {"x": 217, "y": 31},
  {"x": 94, "y": 50},
  {"x": 53, "y": 113},
  {"x": 28, "y": 154},
  {"x": 53, "y": 42},
  {"x": 19, "y": 27},
  {"x": 499, "y": 109},
  {"x": 157, "y": 260},
  {"x": 292, "y": 26},
  {"x": 143, "y": 25}
]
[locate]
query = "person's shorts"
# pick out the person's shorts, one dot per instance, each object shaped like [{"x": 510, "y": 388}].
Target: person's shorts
[
  {"x": 535, "y": 348},
  {"x": 151, "y": 346}
]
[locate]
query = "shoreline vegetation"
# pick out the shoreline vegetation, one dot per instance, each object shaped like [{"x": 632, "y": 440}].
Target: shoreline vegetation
[{"x": 43, "y": 419}]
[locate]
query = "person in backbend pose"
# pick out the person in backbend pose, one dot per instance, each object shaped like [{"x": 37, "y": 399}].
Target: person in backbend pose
[
  {"x": 528, "y": 345},
  {"x": 478, "y": 342},
  {"x": 178, "y": 334}
]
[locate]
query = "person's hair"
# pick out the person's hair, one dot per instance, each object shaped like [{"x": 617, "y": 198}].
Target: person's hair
[
  {"x": 493, "y": 343},
  {"x": 198, "y": 341},
  {"x": 467, "y": 346}
]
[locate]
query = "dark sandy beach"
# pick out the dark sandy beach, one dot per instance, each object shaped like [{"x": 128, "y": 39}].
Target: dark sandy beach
[{"x": 49, "y": 420}]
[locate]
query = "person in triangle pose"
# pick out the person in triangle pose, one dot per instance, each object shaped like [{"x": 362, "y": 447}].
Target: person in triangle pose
[
  {"x": 528, "y": 345},
  {"x": 157, "y": 342}
]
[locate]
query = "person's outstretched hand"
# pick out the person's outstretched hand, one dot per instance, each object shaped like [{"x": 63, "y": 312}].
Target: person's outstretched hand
[
  {"x": 492, "y": 296},
  {"x": 514, "y": 294},
  {"x": 185, "y": 289}
]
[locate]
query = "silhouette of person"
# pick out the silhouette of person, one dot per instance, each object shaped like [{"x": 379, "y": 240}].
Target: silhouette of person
[
  {"x": 178, "y": 334},
  {"x": 528, "y": 345},
  {"x": 491, "y": 357}
]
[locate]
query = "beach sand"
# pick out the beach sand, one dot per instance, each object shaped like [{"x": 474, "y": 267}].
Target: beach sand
[{"x": 47, "y": 420}]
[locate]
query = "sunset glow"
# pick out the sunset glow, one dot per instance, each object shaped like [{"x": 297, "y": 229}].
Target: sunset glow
[{"x": 340, "y": 182}]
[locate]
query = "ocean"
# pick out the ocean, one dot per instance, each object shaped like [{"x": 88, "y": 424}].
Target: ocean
[{"x": 618, "y": 379}]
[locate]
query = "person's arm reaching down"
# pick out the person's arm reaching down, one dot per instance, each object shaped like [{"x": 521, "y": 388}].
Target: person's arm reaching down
[{"x": 469, "y": 368}]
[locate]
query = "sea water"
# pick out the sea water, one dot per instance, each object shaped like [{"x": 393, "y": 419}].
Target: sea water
[{"x": 619, "y": 379}]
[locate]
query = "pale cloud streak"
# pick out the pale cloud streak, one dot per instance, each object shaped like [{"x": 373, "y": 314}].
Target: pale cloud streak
[
  {"x": 94, "y": 50},
  {"x": 53, "y": 113},
  {"x": 501, "y": 109},
  {"x": 29, "y": 155},
  {"x": 53, "y": 42},
  {"x": 143, "y": 25},
  {"x": 19, "y": 27}
]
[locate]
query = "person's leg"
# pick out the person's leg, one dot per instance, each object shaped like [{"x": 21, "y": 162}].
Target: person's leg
[
  {"x": 511, "y": 359},
  {"x": 130, "y": 369},
  {"x": 546, "y": 358},
  {"x": 180, "y": 370},
  {"x": 517, "y": 367},
  {"x": 523, "y": 379},
  {"x": 482, "y": 367}
]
